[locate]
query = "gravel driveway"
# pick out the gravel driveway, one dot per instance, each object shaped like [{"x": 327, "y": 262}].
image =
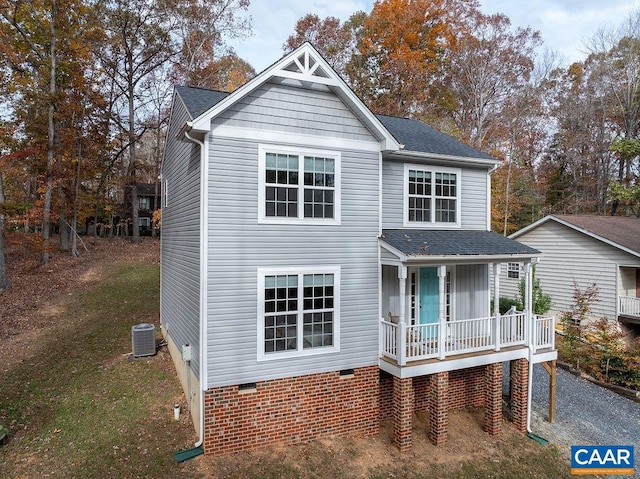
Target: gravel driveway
[{"x": 586, "y": 414}]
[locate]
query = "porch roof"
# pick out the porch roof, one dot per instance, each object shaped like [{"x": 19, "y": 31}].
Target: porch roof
[{"x": 420, "y": 244}]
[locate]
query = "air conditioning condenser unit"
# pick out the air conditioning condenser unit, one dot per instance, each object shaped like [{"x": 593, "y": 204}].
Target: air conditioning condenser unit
[{"x": 143, "y": 340}]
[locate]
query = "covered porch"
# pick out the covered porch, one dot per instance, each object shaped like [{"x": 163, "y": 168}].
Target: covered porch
[
  {"x": 438, "y": 323},
  {"x": 629, "y": 294}
]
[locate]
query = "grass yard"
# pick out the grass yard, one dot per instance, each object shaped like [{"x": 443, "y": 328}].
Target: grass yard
[{"x": 78, "y": 406}]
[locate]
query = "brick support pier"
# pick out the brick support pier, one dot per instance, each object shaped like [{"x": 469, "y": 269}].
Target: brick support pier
[
  {"x": 439, "y": 407},
  {"x": 519, "y": 390},
  {"x": 493, "y": 399},
  {"x": 403, "y": 399}
]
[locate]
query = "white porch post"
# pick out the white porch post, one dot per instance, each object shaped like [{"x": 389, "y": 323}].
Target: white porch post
[
  {"x": 402, "y": 322},
  {"x": 442, "y": 319},
  {"x": 496, "y": 304},
  {"x": 527, "y": 303}
]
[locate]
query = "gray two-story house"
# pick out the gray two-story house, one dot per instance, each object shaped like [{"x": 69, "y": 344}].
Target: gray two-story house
[{"x": 324, "y": 269}]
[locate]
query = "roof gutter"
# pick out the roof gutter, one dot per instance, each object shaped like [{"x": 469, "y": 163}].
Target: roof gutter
[{"x": 462, "y": 160}]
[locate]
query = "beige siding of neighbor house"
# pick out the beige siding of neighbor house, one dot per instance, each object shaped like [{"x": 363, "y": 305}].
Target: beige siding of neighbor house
[{"x": 572, "y": 258}]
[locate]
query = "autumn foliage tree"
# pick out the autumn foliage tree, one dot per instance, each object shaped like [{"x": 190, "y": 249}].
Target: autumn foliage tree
[
  {"x": 333, "y": 39},
  {"x": 402, "y": 48}
]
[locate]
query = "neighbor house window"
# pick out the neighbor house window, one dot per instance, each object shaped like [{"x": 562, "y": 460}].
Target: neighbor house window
[
  {"x": 144, "y": 203},
  {"x": 144, "y": 222},
  {"x": 298, "y": 185},
  {"x": 298, "y": 312},
  {"x": 513, "y": 270},
  {"x": 432, "y": 196}
]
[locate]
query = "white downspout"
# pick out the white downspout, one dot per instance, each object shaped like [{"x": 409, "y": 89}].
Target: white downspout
[
  {"x": 529, "y": 317},
  {"x": 203, "y": 284}
]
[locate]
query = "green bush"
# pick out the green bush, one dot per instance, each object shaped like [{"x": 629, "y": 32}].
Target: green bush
[{"x": 507, "y": 303}]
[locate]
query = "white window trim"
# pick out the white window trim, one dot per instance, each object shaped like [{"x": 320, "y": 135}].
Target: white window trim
[
  {"x": 509, "y": 270},
  {"x": 301, "y": 152},
  {"x": 262, "y": 273},
  {"x": 405, "y": 197}
]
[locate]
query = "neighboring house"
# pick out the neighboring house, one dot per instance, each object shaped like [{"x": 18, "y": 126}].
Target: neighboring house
[
  {"x": 324, "y": 268},
  {"x": 580, "y": 251},
  {"x": 148, "y": 202}
]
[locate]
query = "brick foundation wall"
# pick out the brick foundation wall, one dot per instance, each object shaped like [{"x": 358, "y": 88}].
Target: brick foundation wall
[
  {"x": 466, "y": 388},
  {"x": 291, "y": 410},
  {"x": 386, "y": 395}
]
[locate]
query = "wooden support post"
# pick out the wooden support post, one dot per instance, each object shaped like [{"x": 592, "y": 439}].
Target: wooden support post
[{"x": 550, "y": 367}]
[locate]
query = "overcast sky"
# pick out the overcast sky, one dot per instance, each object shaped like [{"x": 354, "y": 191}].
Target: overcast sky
[{"x": 565, "y": 25}]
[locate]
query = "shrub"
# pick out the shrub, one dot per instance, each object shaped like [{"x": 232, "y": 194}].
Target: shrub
[{"x": 541, "y": 300}]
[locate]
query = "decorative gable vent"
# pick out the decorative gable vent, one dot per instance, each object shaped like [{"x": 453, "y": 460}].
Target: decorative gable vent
[
  {"x": 143, "y": 339},
  {"x": 307, "y": 66}
]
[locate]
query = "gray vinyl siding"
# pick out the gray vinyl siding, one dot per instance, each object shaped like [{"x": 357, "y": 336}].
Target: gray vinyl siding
[
  {"x": 570, "y": 257},
  {"x": 180, "y": 239},
  {"x": 390, "y": 291},
  {"x": 473, "y": 187},
  {"x": 297, "y": 111},
  {"x": 387, "y": 255},
  {"x": 238, "y": 246},
  {"x": 471, "y": 285}
]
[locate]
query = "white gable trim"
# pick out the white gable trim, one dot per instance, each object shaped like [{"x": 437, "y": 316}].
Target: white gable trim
[
  {"x": 579, "y": 229},
  {"x": 306, "y": 65}
]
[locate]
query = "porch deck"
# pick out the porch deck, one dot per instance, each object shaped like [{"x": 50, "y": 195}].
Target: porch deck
[{"x": 409, "y": 345}]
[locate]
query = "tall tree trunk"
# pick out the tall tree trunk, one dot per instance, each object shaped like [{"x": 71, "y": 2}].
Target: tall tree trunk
[
  {"x": 46, "y": 217},
  {"x": 63, "y": 223},
  {"x": 74, "y": 219},
  {"x": 4, "y": 280},
  {"x": 135, "y": 226}
]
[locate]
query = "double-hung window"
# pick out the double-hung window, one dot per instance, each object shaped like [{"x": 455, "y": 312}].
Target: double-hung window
[
  {"x": 513, "y": 270},
  {"x": 299, "y": 186},
  {"x": 298, "y": 311},
  {"x": 432, "y": 196}
]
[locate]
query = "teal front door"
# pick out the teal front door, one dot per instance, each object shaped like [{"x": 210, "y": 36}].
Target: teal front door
[{"x": 429, "y": 303}]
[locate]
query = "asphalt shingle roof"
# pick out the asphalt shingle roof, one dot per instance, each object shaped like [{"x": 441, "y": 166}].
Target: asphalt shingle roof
[
  {"x": 624, "y": 231},
  {"x": 415, "y": 135},
  {"x": 416, "y": 242},
  {"x": 199, "y": 100}
]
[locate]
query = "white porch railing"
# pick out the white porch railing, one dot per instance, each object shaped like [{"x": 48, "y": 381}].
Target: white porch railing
[
  {"x": 544, "y": 333},
  {"x": 629, "y": 306},
  {"x": 404, "y": 343}
]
